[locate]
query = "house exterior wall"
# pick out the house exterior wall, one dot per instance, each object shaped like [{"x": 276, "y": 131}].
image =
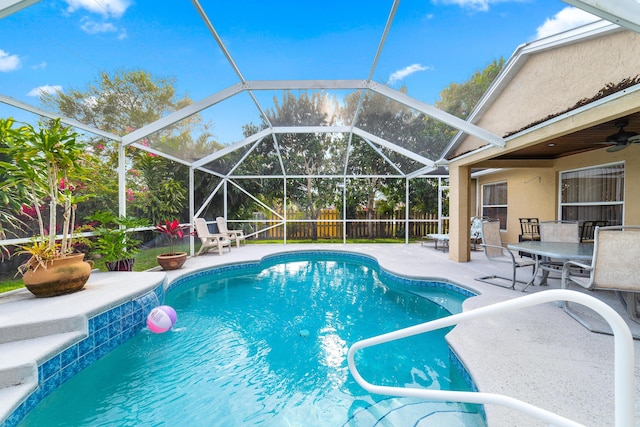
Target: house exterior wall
[
  {"x": 533, "y": 192},
  {"x": 527, "y": 196},
  {"x": 553, "y": 81}
]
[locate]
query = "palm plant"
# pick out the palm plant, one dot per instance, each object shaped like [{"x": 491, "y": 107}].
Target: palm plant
[{"x": 46, "y": 167}]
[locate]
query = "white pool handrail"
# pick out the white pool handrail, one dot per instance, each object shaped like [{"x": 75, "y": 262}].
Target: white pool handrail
[{"x": 623, "y": 345}]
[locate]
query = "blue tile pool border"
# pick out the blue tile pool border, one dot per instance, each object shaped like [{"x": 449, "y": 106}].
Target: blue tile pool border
[
  {"x": 115, "y": 326},
  {"x": 466, "y": 376},
  {"x": 106, "y": 331}
]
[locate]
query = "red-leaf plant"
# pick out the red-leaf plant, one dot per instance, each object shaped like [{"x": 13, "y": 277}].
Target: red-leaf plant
[{"x": 174, "y": 231}]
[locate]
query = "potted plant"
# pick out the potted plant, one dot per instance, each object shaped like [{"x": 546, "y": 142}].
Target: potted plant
[
  {"x": 45, "y": 167},
  {"x": 174, "y": 232},
  {"x": 115, "y": 242}
]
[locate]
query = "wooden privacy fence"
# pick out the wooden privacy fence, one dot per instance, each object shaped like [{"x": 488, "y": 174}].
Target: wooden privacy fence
[{"x": 329, "y": 225}]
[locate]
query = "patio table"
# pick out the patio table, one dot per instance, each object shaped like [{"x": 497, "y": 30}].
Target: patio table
[{"x": 556, "y": 250}]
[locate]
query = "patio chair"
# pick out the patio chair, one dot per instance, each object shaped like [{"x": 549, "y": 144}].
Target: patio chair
[
  {"x": 559, "y": 231},
  {"x": 495, "y": 251},
  {"x": 210, "y": 240},
  {"x": 614, "y": 267},
  {"x": 587, "y": 229},
  {"x": 529, "y": 229},
  {"x": 476, "y": 231},
  {"x": 556, "y": 231},
  {"x": 237, "y": 235}
]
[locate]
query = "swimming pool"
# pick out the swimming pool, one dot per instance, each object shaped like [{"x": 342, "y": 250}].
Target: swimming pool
[{"x": 266, "y": 344}]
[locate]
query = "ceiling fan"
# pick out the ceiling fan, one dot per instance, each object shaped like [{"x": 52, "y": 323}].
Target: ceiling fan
[{"x": 622, "y": 138}]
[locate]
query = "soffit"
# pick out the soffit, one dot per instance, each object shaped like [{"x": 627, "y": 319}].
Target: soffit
[
  {"x": 576, "y": 132},
  {"x": 581, "y": 141}
]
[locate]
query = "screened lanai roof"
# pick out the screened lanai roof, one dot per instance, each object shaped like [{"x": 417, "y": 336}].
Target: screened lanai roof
[{"x": 373, "y": 69}]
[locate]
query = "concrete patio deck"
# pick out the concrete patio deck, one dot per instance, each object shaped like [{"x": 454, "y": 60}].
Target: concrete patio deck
[{"x": 539, "y": 355}]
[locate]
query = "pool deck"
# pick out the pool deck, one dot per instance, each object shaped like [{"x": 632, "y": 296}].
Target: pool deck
[{"x": 539, "y": 355}]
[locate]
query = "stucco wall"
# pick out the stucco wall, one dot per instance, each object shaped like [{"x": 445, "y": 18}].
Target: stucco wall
[
  {"x": 554, "y": 80},
  {"x": 533, "y": 192},
  {"x": 527, "y": 196}
]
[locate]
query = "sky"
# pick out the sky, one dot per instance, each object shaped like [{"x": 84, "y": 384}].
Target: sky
[{"x": 58, "y": 45}]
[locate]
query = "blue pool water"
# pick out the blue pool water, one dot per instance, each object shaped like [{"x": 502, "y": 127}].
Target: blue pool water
[{"x": 267, "y": 345}]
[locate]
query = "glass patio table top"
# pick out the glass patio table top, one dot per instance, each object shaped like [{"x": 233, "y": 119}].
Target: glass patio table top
[{"x": 556, "y": 250}]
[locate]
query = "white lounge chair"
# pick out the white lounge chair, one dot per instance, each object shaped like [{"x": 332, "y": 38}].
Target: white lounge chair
[
  {"x": 237, "y": 235},
  {"x": 614, "y": 267},
  {"x": 476, "y": 231},
  {"x": 210, "y": 240},
  {"x": 442, "y": 238}
]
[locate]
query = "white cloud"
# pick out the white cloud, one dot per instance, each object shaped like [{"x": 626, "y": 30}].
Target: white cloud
[
  {"x": 8, "y": 62},
  {"x": 44, "y": 89},
  {"x": 566, "y": 19},
  {"x": 93, "y": 27},
  {"x": 476, "y": 5},
  {"x": 40, "y": 66},
  {"x": 106, "y": 8},
  {"x": 407, "y": 71}
]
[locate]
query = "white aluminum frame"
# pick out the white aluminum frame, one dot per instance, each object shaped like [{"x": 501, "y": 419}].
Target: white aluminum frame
[{"x": 624, "y": 358}]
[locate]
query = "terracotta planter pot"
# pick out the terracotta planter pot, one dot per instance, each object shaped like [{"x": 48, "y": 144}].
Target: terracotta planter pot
[
  {"x": 120, "y": 265},
  {"x": 172, "y": 261},
  {"x": 61, "y": 276}
]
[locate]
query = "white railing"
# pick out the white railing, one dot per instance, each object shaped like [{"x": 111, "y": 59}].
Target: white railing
[{"x": 623, "y": 344}]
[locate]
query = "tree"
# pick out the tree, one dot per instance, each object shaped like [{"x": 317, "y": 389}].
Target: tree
[
  {"x": 121, "y": 102},
  {"x": 430, "y": 138},
  {"x": 461, "y": 99},
  {"x": 307, "y": 154},
  {"x": 388, "y": 119},
  {"x": 163, "y": 196},
  {"x": 423, "y": 194},
  {"x": 10, "y": 196}
]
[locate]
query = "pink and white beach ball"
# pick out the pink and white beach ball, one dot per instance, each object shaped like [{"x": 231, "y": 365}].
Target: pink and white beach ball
[{"x": 161, "y": 319}]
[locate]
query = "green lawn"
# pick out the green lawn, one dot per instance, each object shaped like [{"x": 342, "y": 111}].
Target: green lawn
[
  {"x": 145, "y": 260},
  {"x": 9, "y": 284}
]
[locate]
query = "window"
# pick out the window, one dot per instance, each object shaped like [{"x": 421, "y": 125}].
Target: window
[
  {"x": 494, "y": 202},
  {"x": 593, "y": 194}
]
